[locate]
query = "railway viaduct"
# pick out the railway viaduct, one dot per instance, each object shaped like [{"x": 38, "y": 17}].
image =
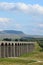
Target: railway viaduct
[{"x": 15, "y": 49}]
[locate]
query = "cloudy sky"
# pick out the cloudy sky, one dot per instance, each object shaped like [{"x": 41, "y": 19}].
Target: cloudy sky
[{"x": 22, "y": 15}]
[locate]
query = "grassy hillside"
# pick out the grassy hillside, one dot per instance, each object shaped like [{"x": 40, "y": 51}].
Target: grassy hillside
[
  {"x": 33, "y": 58},
  {"x": 12, "y": 36}
]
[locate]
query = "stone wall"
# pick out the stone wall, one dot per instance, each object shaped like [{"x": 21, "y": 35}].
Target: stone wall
[{"x": 15, "y": 49}]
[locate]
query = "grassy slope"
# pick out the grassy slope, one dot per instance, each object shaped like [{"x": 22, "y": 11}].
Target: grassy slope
[
  {"x": 12, "y": 36},
  {"x": 26, "y": 59}
]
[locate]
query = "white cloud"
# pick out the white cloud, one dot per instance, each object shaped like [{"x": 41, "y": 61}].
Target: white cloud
[
  {"x": 8, "y": 23},
  {"x": 13, "y": 6},
  {"x": 4, "y": 22},
  {"x": 4, "y": 19},
  {"x": 40, "y": 25},
  {"x": 27, "y": 8}
]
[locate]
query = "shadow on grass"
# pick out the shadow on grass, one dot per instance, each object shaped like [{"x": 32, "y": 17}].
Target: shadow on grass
[{"x": 41, "y": 50}]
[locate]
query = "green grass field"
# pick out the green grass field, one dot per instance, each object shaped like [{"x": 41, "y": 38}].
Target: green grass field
[{"x": 33, "y": 58}]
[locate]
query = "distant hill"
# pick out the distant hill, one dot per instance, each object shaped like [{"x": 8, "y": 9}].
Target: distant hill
[
  {"x": 11, "y": 32},
  {"x": 14, "y": 34}
]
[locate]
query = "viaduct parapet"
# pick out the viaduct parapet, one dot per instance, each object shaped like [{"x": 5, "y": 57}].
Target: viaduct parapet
[{"x": 15, "y": 49}]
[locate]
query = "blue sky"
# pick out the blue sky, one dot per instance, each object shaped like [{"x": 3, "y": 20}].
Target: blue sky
[{"x": 23, "y": 15}]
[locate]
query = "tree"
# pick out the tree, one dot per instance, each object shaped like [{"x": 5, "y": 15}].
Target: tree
[
  {"x": 41, "y": 45},
  {"x": 7, "y": 39},
  {"x": 16, "y": 39}
]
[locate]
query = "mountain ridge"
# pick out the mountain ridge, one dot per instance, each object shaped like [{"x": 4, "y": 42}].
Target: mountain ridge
[{"x": 11, "y": 32}]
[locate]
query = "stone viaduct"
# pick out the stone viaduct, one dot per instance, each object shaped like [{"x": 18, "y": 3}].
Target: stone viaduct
[{"x": 15, "y": 49}]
